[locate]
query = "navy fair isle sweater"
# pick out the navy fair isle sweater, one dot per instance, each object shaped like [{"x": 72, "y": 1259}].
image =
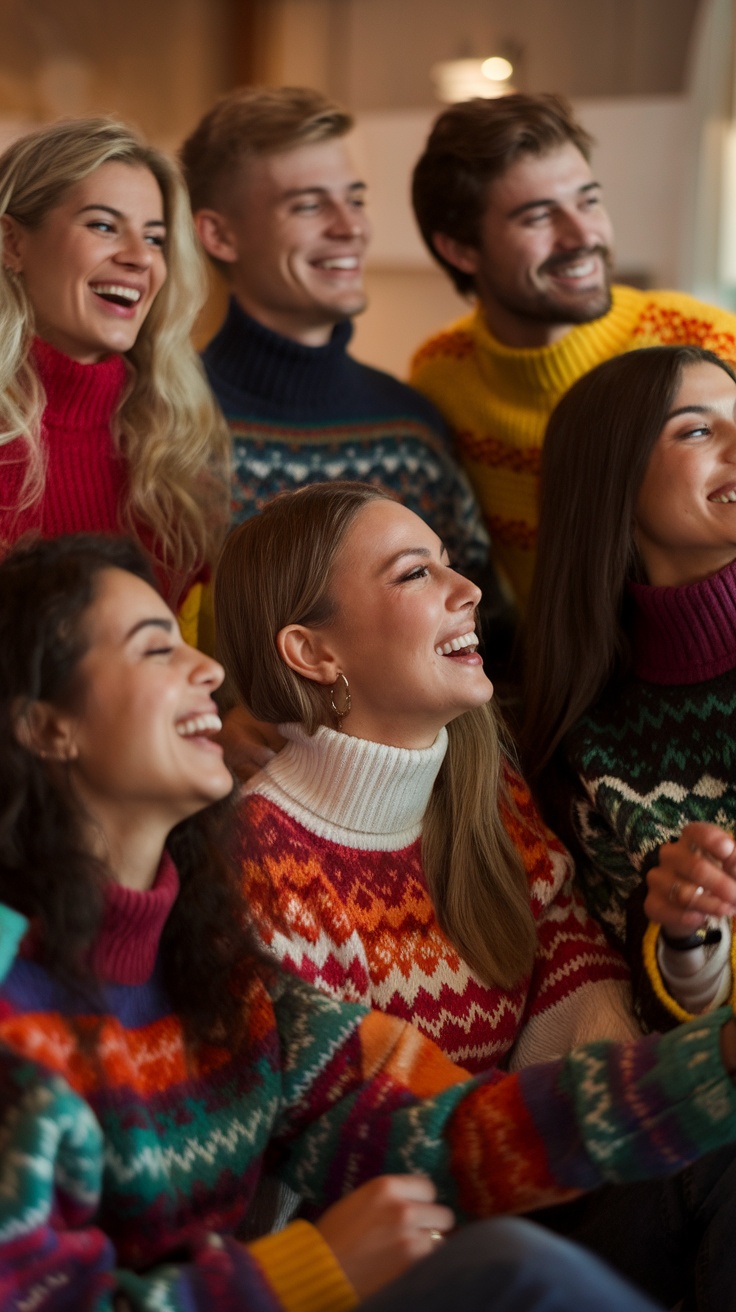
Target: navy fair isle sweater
[{"x": 309, "y": 414}]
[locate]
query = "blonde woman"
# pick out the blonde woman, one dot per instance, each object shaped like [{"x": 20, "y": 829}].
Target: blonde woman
[
  {"x": 106, "y": 421},
  {"x": 392, "y": 854}
]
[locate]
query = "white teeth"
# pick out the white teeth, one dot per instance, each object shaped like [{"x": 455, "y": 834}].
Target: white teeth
[
  {"x": 115, "y": 289},
  {"x": 199, "y": 724},
  {"x": 724, "y": 500},
  {"x": 457, "y": 644},
  {"x": 347, "y": 262},
  {"x": 582, "y": 269}
]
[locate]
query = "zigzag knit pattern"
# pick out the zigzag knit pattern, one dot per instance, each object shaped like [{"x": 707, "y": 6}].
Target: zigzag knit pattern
[
  {"x": 346, "y": 907},
  {"x": 497, "y": 400},
  {"x": 303, "y": 414},
  {"x": 128, "y": 1161}
]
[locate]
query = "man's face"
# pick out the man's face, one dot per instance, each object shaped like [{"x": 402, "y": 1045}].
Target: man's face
[
  {"x": 297, "y": 233},
  {"x": 544, "y": 258}
]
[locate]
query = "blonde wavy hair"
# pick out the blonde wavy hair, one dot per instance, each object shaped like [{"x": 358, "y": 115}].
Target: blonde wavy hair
[
  {"x": 276, "y": 569},
  {"x": 167, "y": 427}
]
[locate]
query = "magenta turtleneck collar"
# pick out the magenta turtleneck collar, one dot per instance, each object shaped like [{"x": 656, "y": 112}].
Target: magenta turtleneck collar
[
  {"x": 132, "y": 925},
  {"x": 685, "y": 634}
]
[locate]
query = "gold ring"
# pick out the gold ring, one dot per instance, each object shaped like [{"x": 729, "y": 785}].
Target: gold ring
[{"x": 436, "y": 1236}]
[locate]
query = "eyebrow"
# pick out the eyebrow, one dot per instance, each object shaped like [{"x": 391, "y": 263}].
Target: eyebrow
[
  {"x": 118, "y": 214},
  {"x": 293, "y": 192},
  {"x": 551, "y": 200},
  {"x": 690, "y": 410},
  {"x": 154, "y": 623}
]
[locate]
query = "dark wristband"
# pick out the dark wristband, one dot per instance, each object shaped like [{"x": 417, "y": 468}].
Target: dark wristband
[{"x": 704, "y": 937}]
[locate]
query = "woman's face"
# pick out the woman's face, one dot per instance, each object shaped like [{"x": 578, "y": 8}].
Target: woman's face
[
  {"x": 94, "y": 265},
  {"x": 137, "y": 740},
  {"x": 404, "y": 631},
  {"x": 686, "y": 509}
]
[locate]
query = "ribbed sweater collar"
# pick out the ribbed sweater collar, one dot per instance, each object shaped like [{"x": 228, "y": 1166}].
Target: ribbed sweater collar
[
  {"x": 253, "y": 359},
  {"x": 686, "y": 634},
  {"x": 352, "y": 791},
  {"x": 539, "y": 371},
  {"x": 132, "y": 924},
  {"x": 78, "y": 396}
]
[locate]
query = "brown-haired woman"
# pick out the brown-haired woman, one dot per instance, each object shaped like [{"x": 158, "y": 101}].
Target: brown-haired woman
[
  {"x": 392, "y": 853},
  {"x": 631, "y": 660}
]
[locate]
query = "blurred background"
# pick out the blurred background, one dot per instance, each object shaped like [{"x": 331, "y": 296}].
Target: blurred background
[{"x": 653, "y": 80}]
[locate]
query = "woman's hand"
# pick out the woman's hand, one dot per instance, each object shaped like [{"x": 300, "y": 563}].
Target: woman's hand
[
  {"x": 248, "y": 744},
  {"x": 695, "y": 878},
  {"x": 383, "y": 1228}
]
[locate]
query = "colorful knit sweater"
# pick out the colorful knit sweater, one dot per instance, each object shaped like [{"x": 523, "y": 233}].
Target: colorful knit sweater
[
  {"x": 128, "y": 1162},
  {"x": 331, "y": 852},
  {"x": 497, "y": 400},
  {"x": 310, "y": 414},
  {"x": 86, "y": 482},
  {"x": 658, "y": 750}
]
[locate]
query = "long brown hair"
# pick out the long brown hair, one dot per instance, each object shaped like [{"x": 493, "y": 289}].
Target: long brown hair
[
  {"x": 596, "y": 450},
  {"x": 276, "y": 570}
]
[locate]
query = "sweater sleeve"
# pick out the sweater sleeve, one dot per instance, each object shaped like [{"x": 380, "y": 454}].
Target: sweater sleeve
[
  {"x": 366, "y": 1094},
  {"x": 54, "y": 1254}
]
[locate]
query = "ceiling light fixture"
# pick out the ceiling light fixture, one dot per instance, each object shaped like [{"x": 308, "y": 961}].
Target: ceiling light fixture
[{"x": 461, "y": 79}]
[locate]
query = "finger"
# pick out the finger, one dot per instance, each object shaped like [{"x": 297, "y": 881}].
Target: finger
[
  {"x": 432, "y": 1217},
  {"x": 710, "y": 838},
  {"x": 406, "y": 1188},
  {"x": 678, "y": 881}
]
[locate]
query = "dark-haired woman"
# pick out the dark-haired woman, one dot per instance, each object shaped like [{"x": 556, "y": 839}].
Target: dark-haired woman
[
  {"x": 631, "y": 661},
  {"x": 149, "y": 1063}
]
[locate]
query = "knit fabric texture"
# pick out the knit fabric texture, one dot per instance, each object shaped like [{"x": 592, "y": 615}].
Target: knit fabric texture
[
  {"x": 312, "y": 414},
  {"x": 86, "y": 481},
  {"x": 658, "y": 750},
  {"x": 331, "y": 852},
  {"x": 129, "y": 1160},
  {"x": 497, "y": 400}
]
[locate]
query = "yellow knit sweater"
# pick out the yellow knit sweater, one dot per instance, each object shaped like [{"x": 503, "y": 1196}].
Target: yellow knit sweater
[{"x": 497, "y": 400}]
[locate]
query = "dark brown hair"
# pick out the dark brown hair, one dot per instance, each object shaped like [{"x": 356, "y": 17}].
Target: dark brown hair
[
  {"x": 470, "y": 145},
  {"x": 596, "y": 450},
  {"x": 275, "y": 570},
  {"x": 46, "y": 592},
  {"x": 253, "y": 121}
]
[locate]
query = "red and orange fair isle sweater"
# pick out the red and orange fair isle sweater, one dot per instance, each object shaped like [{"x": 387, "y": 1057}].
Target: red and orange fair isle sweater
[
  {"x": 331, "y": 852},
  {"x": 128, "y": 1161},
  {"x": 86, "y": 479},
  {"x": 497, "y": 399}
]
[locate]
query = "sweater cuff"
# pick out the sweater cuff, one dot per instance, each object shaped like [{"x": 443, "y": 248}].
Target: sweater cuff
[
  {"x": 303, "y": 1270},
  {"x": 681, "y": 978}
]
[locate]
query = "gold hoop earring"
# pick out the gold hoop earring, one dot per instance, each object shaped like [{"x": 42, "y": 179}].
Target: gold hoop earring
[{"x": 347, "y": 700}]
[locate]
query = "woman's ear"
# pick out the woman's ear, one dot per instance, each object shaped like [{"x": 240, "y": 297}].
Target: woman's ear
[
  {"x": 307, "y": 653},
  {"x": 12, "y": 232},
  {"x": 46, "y": 731}
]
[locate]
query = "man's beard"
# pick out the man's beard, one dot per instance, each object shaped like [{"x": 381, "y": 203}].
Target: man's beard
[{"x": 558, "y": 307}]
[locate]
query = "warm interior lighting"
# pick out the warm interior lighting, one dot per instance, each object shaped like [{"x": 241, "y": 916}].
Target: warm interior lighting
[
  {"x": 461, "y": 79},
  {"x": 497, "y": 69}
]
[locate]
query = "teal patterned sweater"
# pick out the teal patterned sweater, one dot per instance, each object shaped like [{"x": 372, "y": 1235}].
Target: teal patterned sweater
[
  {"x": 128, "y": 1162},
  {"x": 659, "y": 748}
]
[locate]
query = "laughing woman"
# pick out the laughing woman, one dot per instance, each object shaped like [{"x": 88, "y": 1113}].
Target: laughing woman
[
  {"x": 149, "y": 1063},
  {"x": 106, "y": 421},
  {"x": 631, "y": 661},
  {"x": 392, "y": 854}
]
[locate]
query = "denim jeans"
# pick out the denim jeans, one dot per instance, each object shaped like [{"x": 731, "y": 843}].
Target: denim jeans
[{"x": 508, "y": 1265}]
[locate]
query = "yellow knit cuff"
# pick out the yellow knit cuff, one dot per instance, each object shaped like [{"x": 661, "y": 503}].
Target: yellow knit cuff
[
  {"x": 651, "y": 965},
  {"x": 303, "y": 1270}
]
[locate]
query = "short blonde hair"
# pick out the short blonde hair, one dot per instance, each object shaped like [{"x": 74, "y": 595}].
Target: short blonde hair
[
  {"x": 254, "y": 121},
  {"x": 168, "y": 427}
]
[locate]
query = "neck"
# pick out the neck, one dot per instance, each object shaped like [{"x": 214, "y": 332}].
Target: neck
[
  {"x": 678, "y": 569},
  {"x": 129, "y": 844},
  {"x": 302, "y": 327}
]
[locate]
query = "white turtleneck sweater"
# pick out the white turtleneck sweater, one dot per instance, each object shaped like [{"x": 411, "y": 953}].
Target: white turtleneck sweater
[{"x": 331, "y": 851}]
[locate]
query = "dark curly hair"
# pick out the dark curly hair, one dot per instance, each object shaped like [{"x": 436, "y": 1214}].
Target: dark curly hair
[{"x": 46, "y": 591}]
